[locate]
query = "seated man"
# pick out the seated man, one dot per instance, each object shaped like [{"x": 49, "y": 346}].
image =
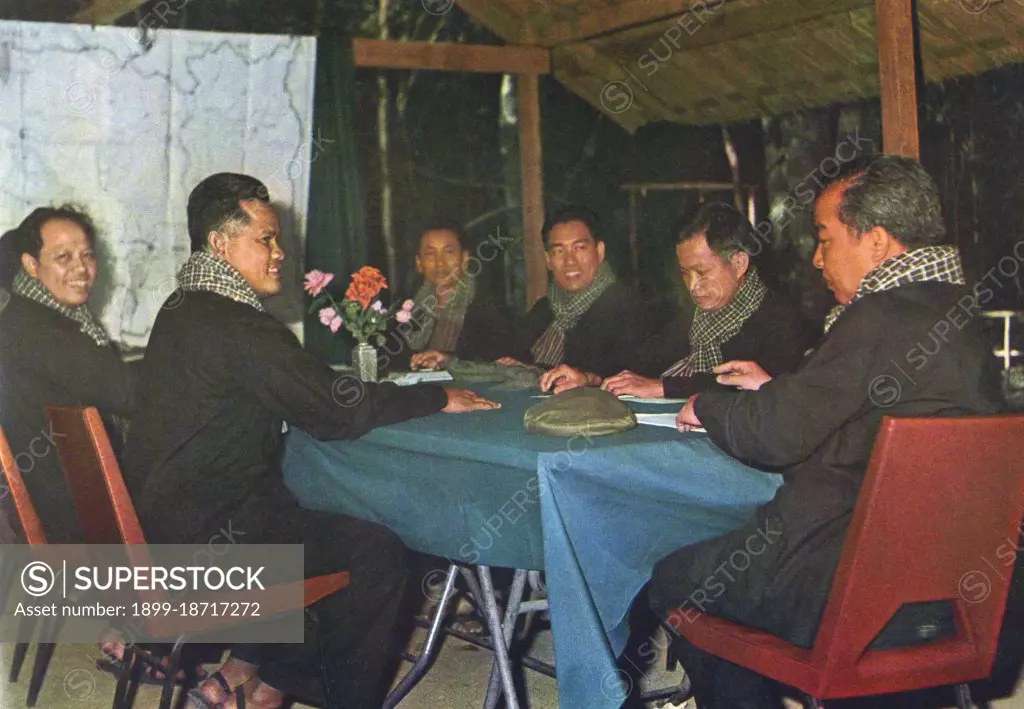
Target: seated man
[
  {"x": 879, "y": 234},
  {"x": 736, "y": 318},
  {"x": 587, "y": 320},
  {"x": 451, "y": 317},
  {"x": 220, "y": 377},
  {"x": 53, "y": 350}
]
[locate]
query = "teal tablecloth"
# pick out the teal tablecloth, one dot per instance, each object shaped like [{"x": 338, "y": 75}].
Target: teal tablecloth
[{"x": 595, "y": 514}]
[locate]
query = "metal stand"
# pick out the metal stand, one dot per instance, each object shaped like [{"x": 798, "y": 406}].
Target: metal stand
[
  {"x": 481, "y": 588},
  {"x": 430, "y": 648}
]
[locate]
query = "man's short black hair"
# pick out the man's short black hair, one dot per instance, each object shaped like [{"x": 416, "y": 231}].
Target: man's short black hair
[
  {"x": 442, "y": 223},
  {"x": 10, "y": 261},
  {"x": 28, "y": 237},
  {"x": 571, "y": 213},
  {"x": 214, "y": 204},
  {"x": 895, "y": 193},
  {"x": 723, "y": 226}
]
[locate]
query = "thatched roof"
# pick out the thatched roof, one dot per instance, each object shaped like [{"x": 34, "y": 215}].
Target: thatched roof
[{"x": 721, "y": 61}]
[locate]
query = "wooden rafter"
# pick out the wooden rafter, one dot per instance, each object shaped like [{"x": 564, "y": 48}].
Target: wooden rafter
[
  {"x": 497, "y": 18},
  {"x": 106, "y": 12},
  {"x": 697, "y": 23},
  {"x": 437, "y": 56}
]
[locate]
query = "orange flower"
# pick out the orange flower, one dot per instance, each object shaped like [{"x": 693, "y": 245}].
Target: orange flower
[{"x": 366, "y": 283}]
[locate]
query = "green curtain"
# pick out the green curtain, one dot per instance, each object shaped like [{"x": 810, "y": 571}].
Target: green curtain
[{"x": 336, "y": 227}]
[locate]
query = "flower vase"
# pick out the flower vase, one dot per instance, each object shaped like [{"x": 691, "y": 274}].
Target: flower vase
[{"x": 364, "y": 361}]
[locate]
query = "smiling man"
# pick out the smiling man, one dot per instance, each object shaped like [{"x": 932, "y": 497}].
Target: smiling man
[
  {"x": 736, "y": 317},
  {"x": 53, "y": 350},
  {"x": 880, "y": 249},
  {"x": 588, "y": 320},
  {"x": 220, "y": 378}
]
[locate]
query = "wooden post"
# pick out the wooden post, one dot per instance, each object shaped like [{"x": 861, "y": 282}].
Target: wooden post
[
  {"x": 528, "y": 96},
  {"x": 897, "y": 78}
]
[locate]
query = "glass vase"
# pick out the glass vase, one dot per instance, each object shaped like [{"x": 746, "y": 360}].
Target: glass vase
[{"x": 364, "y": 361}]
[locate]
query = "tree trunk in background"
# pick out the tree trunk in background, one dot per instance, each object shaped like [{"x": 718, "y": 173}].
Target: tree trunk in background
[
  {"x": 387, "y": 224},
  {"x": 738, "y": 193},
  {"x": 795, "y": 145},
  {"x": 511, "y": 174}
]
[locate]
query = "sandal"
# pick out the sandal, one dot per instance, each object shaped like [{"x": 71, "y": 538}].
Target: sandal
[
  {"x": 154, "y": 674},
  {"x": 199, "y": 700}
]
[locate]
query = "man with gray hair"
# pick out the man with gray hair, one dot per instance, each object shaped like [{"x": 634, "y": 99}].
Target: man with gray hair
[{"x": 880, "y": 249}]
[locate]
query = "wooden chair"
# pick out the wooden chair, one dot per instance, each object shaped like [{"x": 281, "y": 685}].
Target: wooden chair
[
  {"x": 32, "y": 530},
  {"x": 108, "y": 516},
  {"x": 941, "y": 498}
]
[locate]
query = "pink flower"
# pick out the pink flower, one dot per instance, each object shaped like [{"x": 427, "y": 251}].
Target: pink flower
[
  {"x": 408, "y": 305},
  {"x": 330, "y": 318},
  {"x": 377, "y": 306},
  {"x": 403, "y": 315},
  {"x": 316, "y": 281}
]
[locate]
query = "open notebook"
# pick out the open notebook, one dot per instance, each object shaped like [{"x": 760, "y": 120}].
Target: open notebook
[
  {"x": 663, "y": 420},
  {"x": 410, "y": 378}
]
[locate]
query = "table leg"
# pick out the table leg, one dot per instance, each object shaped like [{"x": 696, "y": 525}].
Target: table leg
[
  {"x": 429, "y": 651},
  {"x": 511, "y": 614},
  {"x": 497, "y": 637}
]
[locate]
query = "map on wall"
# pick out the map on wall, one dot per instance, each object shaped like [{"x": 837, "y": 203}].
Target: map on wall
[{"x": 126, "y": 124}]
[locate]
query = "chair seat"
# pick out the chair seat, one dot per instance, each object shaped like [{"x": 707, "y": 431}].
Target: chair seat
[{"x": 877, "y": 672}]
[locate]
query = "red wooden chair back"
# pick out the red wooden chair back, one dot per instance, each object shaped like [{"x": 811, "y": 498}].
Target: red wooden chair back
[
  {"x": 108, "y": 515},
  {"x": 31, "y": 526},
  {"x": 938, "y": 518},
  {"x": 98, "y": 491}
]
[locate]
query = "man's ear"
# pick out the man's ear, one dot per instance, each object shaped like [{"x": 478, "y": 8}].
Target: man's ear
[
  {"x": 217, "y": 242},
  {"x": 419, "y": 265},
  {"x": 880, "y": 244},
  {"x": 465, "y": 260},
  {"x": 547, "y": 259},
  {"x": 30, "y": 265},
  {"x": 740, "y": 262},
  {"x": 600, "y": 252}
]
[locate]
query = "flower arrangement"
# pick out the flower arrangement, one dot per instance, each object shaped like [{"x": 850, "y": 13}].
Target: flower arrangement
[{"x": 361, "y": 311}]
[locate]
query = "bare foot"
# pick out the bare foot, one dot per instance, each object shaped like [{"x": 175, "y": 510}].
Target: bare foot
[
  {"x": 257, "y": 696},
  {"x": 233, "y": 673}
]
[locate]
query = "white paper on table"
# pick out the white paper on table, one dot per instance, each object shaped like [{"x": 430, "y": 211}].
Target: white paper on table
[
  {"x": 410, "y": 378},
  {"x": 643, "y": 400},
  {"x": 662, "y": 420}
]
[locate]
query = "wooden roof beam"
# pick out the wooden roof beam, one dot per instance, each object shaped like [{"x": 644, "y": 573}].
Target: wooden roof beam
[
  {"x": 440, "y": 56},
  {"x": 731, "y": 19},
  {"x": 498, "y": 19},
  {"x": 106, "y": 12}
]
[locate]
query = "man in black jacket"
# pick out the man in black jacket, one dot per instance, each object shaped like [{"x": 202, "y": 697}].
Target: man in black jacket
[
  {"x": 54, "y": 351},
  {"x": 879, "y": 234},
  {"x": 221, "y": 379},
  {"x": 736, "y": 318},
  {"x": 588, "y": 320},
  {"x": 451, "y": 317}
]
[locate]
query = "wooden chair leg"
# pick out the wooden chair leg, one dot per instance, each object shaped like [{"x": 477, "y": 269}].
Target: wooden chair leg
[
  {"x": 123, "y": 692},
  {"x": 173, "y": 664},
  {"x": 44, "y": 653},
  {"x": 17, "y": 660},
  {"x": 963, "y": 697}
]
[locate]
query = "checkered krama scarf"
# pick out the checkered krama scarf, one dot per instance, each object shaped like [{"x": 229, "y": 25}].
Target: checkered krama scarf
[
  {"x": 205, "y": 272},
  {"x": 441, "y": 325},
  {"x": 939, "y": 264},
  {"x": 710, "y": 330},
  {"x": 28, "y": 287},
  {"x": 568, "y": 308}
]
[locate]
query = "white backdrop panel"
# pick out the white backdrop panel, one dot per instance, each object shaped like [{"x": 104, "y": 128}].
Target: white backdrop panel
[{"x": 125, "y": 129}]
